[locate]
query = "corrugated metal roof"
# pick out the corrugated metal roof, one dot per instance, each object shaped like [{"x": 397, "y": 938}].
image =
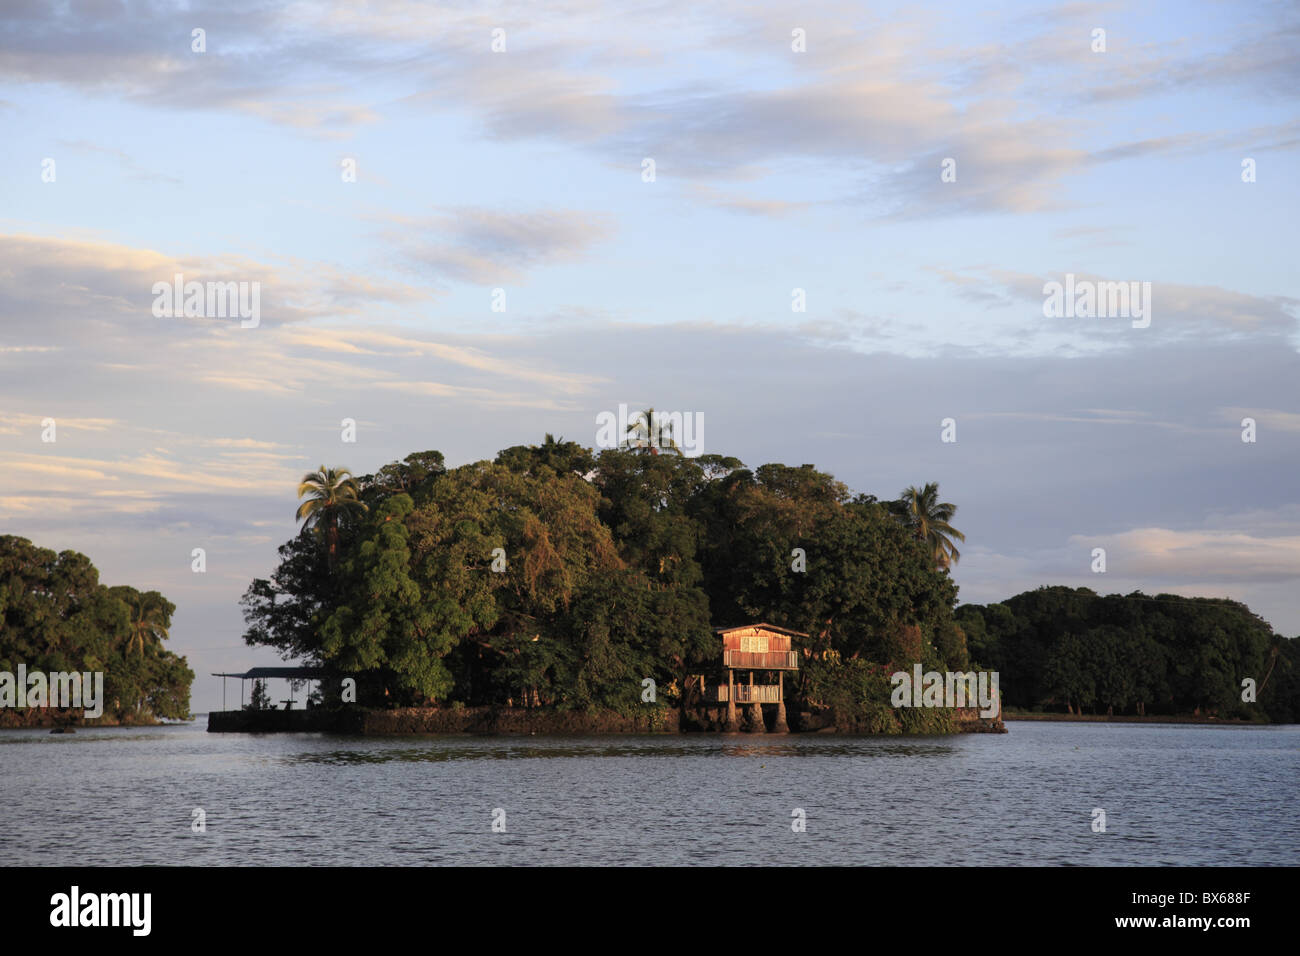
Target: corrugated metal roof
[{"x": 287, "y": 673}]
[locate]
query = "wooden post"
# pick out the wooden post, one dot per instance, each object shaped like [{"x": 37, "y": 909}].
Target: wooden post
[
  {"x": 754, "y": 714},
  {"x": 780, "y": 726},
  {"x": 731, "y": 700}
]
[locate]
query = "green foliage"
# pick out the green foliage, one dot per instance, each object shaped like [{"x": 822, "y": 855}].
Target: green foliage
[
  {"x": 652, "y": 432},
  {"x": 330, "y": 499},
  {"x": 865, "y": 575},
  {"x": 930, "y": 520},
  {"x": 383, "y": 620},
  {"x": 413, "y": 476},
  {"x": 926, "y": 721},
  {"x": 1074, "y": 650},
  {"x": 616, "y": 566},
  {"x": 56, "y": 616},
  {"x": 259, "y": 699},
  {"x": 556, "y": 454},
  {"x": 857, "y": 694},
  {"x": 286, "y": 610},
  {"x": 624, "y": 630}
]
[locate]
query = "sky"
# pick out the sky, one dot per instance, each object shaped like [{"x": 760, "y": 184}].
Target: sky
[{"x": 825, "y": 228}]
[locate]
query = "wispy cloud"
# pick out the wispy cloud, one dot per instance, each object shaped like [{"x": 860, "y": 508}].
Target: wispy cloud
[
  {"x": 1161, "y": 554},
  {"x": 128, "y": 163},
  {"x": 493, "y": 247}
]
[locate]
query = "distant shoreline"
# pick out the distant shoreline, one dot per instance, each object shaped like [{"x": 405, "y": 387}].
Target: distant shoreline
[{"x": 1134, "y": 719}]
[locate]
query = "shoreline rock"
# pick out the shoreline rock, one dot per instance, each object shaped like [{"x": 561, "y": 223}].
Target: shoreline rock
[
  {"x": 29, "y": 718},
  {"x": 525, "y": 721}
]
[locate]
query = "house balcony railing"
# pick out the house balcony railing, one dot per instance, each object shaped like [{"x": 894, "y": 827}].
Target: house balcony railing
[
  {"x": 751, "y": 694},
  {"x": 762, "y": 660}
]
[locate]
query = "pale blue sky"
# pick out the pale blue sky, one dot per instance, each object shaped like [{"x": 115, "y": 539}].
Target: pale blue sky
[{"x": 775, "y": 170}]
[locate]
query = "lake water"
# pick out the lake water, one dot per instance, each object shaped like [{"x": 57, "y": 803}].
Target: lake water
[{"x": 1172, "y": 794}]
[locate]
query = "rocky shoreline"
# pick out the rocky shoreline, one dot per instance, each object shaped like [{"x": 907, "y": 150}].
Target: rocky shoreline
[
  {"x": 30, "y": 718},
  {"x": 499, "y": 720}
]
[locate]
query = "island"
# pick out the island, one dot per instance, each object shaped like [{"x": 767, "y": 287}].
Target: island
[{"x": 556, "y": 588}]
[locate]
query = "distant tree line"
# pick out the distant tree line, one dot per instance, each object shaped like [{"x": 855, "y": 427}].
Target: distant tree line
[
  {"x": 55, "y": 616},
  {"x": 556, "y": 576},
  {"x": 1075, "y": 651}
]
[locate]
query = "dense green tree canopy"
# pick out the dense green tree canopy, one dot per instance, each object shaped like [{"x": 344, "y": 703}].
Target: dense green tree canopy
[
  {"x": 557, "y": 576},
  {"x": 1074, "y": 650},
  {"x": 55, "y": 616}
]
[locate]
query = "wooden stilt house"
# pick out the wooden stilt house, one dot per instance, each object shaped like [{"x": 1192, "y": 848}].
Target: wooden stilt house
[{"x": 750, "y": 649}]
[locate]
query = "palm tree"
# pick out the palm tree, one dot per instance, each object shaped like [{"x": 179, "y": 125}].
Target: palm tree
[
  {"x": 147, "y": 627},
  {"x": 657, "y": 433},
  {"x": 922, "y": 511},
  {"x": 331, "y": 497}
]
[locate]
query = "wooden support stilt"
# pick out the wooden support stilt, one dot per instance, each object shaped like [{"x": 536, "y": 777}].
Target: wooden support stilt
[{"x": 780, "y": 726}]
